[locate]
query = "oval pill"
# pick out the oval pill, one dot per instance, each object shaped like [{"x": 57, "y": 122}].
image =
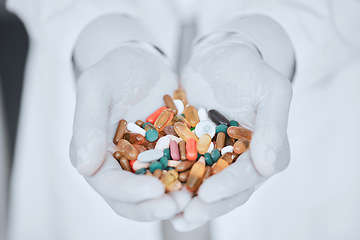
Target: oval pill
[
  {"x": 139, "y": 123},
  {"x": 218, "y": 118},
  {"x": 239, "y": 132},
  {"x": 221, "y": 128},
  {"x": 152, "y": 118},
  {"x": 241, "y": 145},
  {"x": 215, "y": 155},
  {"x": 125, "y": 164},
  {"x": 150, "y": 156},
  {"x": 147, "y": 126},
  {"x": 220, "y": 165},
  {"x": 203, "y": 143},
  {"x": 169, "y": 130},
  {"x": 151, "y": 135},
  {"x": 132, "y": 127},
  {"x": 170, "y": 103},
  {"x": 181, "y": 95},
  {"x": 138, "y": 165},
  {"x": 120, "y": 131},
  {"x": 220, "y": 140},
  {"x": 117, "y": 155},
  {"x": 186, "y": 165},
  {"x": 195, "y": 176},
  {"x": 134, "y": 138},
  {"x": 174, "y": 151},
  {"x": 182, "y": 119},
  {"x": 184, "y": 176},
  {"x": 127, "y": 149},
  {"x": 191, "y": 115},
  {"x": 179, "y": 106},
  {"x": 155, "y": 165},
  {"x": 140, "y": 148},
  {"x": 184, "y": 132},
  {"x": 164, "y": 118},
  {"x": 191, "y": 152},
  {"x": 205, "y": 127},
  {"x": 162, "y": 143}
]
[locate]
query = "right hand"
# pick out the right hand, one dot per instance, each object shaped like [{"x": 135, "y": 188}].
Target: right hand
[{"x": 128, "y": 83}]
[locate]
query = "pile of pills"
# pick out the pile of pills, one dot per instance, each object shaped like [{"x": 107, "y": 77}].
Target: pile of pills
[{"x": 179, "y": 144}]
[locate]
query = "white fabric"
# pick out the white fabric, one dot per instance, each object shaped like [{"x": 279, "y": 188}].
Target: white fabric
[{"x": 317, "y": 197}]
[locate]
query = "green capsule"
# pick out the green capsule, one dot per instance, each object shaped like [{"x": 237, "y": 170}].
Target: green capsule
[
  {"x": 151, "y": 135},
  {"x": 221, "y": 128},
  {"x": 141, "y": 171},
  {"x": 234, "y": 123},
  {"x": 155, "y": 165},
  {"x": 208, "y": 159},
  {"x": 167, "y": 153},
  {"x": 215, "y": 155},
  {"x": 164, "y": 161}
]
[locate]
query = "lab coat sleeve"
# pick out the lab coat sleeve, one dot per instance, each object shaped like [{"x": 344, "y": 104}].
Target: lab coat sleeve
[{"x": 57, "y": 24}]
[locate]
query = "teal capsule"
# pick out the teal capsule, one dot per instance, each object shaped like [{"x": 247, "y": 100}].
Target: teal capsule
[
  {"x": 215, "y": 155},
  {"x": 234, "y": 123},
  {"x": 199, "y": 155},
  {"x": 169, "y": 168},
  {"x": 164, "y": 161},
  {"x": 151, "y": 135},
  {"x": 208, "y": 159},
  {"x": 155, "y": 165},
  {"x": 167, "y": 153},
  {"x": 221, "y": 128},
  {"x": 141, "y": 171}
]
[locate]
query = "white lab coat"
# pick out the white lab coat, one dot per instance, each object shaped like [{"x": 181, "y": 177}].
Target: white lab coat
[{"x": 317, "y": 197}]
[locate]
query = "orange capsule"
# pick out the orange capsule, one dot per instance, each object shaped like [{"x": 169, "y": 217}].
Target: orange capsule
[
  {"x": 220, "y": 165},
  {"x": 139, "y": 123},
  {"x": 164, "y": 119},
  {"x": 134, "y": 138},
  {"x": 184, "y": 166},
  {"x": 180, "y": 118},
  {"x": 180, "y": 94},
  {"x": 121, "y": 128},
  {"x": 203, "y": 143},
  {"x": 182, "y": 149},
  {"x": 241, "y": 145},
  {"x": 125, "y": 164},
  {"x": 220, "y": 140},
  {"x": 239, "y": 132},
  {"x": 170, "y": 103},
  {"x": 191, "y": 153},
  {"x": 184, "y": 176},
  {"x": 191, "y": 114},
  {"x": 127, "y": 149},
  {"x": 152, "y": 118},
  {"x": 184, "y": 132},
  {"x": 196, "y": 174},
  {"x": 117, "y": 155}
]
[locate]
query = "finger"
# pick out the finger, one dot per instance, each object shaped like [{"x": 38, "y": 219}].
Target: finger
[
  {"x": 180, "y": 224},
  {"x": 112, "y": 182},
  {"x": 271, "y": 120},
  {"x": 149, "y": 210},
  {"x": 88, "y": 144},
  {"x": 199, "y": 211},
  {"x": 182, "y": 198}
]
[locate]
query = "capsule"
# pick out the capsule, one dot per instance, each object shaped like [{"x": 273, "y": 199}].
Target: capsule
[
  {"x": 121, "y": 128},
  {"x": 140, "y": 148},
  {"x": 203, "y": 143},
  {"x": 125, "y": 164},
  {"x": 117, "y": 155},
  {"x": 182, "y": 149},
  {"x": 184, "y": 132},
  {"x": 220, "y": 140},
  {"x": 139, "y": 123},
  {"x": 174, "y": 150},
  {"x": 229, "y": 141},
  {"x": 149, "y": 126},
  {"x": 218, "y": 118},
  {"x": 180, "y": 94},
  {"x": 184, "y": 176},
  {"x": 229, "y": 157},
  {"x": 191, "y": 114},
  {"x": 239, "y": 132},
  {"x": 127, "y": 149},
  {"x": 169, "y": 130},
  {"x": 191, "y": 152},
  {"x": 196, "y": 174},
  {"x": 157, "y": 173},
  {"x": 134, "y": 138},
  {"x": 170, "y": 177},
  {"x": 208, "y": 172},
  {"x": 241, "y": 145},
  {"x": 170, "y": 103},
  {"x": 184, "y": 166},
  {"x": 164, "y": 119},
  {"x": 180, "y": 118},
  {"x": 220, "y": 165},
  {"x": 149, "y": 145},
  {"x": 152, "y": 118}
]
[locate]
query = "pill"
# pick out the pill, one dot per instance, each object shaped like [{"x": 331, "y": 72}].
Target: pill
[
  {"x": 125, "y": 164},
  {"x": 208, "y": 159},
  {"x": 175, "y": 186},
  {"x": 164, "y": 118},
  {"x": 184, "y": 176},
  {"x": 132, "y": 164},
  {"x": 173, "y": 163},
  {"x": 151, "y": 135},
  {"x": 162, "y": 143},
  {"x": 205, "y": 127},
  {"x": 147, "y": 126},
  {"x": 139, "y": 123},
  {"x": 138, "y": 165},
  {"x": 170, "y": 103},
  {"x": 241, "y": 145},
  {"x": 173, "y": 138},
  {"x": 127, "y": 149},
  {"x": 169, "y": 177},
  {"x": 174, "y": 151},
  {"x": 164, "y": 161},
  {"x": 134, "y": 138},
  {"x": 155, "y": 165},
  {"x": 234, "y": 123},
  {"x": 186, "y": 165},
  {"x": 179, "y": 106},
  {"x": 149, "y": 145},
  {"x": 191, "y": 115},
  {"x": 169, "y": 130},
  {"x": 211, "y": 147},
  {"x": 141, "y": 171},
  {"x": 132, "y": 127},
  {"x": 229, "y": 157},
  {"x": 239, "y": 132},
  {"x": 140, "y": 148},
  {"x": 184, "y": 132},
  {"x": 182, "y": 150},
  {"x": 181, "y": 118},
  {"x": 150, "y": 156},
  {"x": 152, "y": 118},
  {"x": 195, "y": 176},
  {"x": 218, "y": 118},
  {"x": 203, "y": 143},
  {"x": 157, "y": 173},
  {"x": 181, "y": 95},
  {"x": 215, "y": 155},
  {"x": 117, "y": 155},
  {"x": 229, "y": 141},
  {"x": 208, "y": 172},
  {"x": 220, "y": 165},
  {"x": 203, "y": 115},
  {"x": 220, "y": 140},
  {"x": 227, "y": 149},
  {"x": 191, "y": 152},
  {"x": 167, "y": 153},
  {"x": 120, "y": 130},
  {"x": 221, "y": 128},
  {"x": 148, "y": 173}
]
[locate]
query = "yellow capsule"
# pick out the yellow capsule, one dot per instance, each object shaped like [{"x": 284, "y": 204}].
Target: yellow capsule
[
  {"x": 241, "y": 145},
  {"x": 196, "y": 174},
  {"x": 191, "y": 114},
  {"x": 180, "y": 94},
  {"x": 184, "y": 132},
  {"x": 164, "y": 119},
  {"x": 220, "y": 165},
  {"x": 127, "y": 149},
  {"x": 168, "y": 178},
  {"x": 203, "y": 143}
]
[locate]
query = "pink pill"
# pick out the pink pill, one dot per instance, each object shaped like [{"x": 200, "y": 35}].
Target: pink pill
[{"x": 174, "y": 150}]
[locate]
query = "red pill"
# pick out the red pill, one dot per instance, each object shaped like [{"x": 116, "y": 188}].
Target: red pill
[
  {"x": 191, "y": 152},
  {"x": 152, "y": 118}
]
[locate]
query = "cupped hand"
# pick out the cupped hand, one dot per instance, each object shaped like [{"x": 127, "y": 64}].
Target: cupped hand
[{"x": 128, "y": 83}]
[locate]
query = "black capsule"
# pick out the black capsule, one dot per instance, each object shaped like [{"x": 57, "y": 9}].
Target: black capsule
[{"x": 218, "y": 118}]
